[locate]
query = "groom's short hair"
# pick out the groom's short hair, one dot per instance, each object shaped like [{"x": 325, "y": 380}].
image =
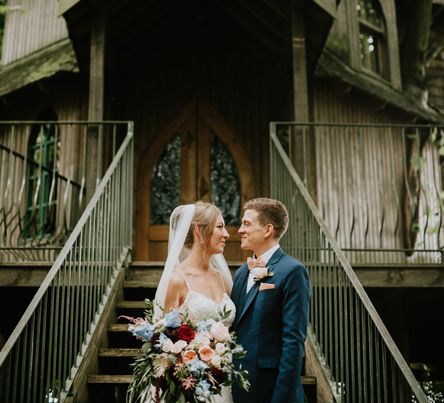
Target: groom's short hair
[{"x": 271, "y": 211}]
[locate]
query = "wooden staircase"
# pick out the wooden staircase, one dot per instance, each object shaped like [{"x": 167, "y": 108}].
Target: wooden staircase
[{"x": 111, "y": 382}]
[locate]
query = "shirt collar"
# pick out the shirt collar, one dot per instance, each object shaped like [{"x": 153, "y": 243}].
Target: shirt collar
[{"x": 269, "y": 253}]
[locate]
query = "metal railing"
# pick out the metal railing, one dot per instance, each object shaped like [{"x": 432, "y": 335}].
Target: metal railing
[
  {"x": 43, "y": 171},
  {"x": 358, "y": 354},
  {"x": 46, "y": 347},
  {"x": 378, "y": 187}
]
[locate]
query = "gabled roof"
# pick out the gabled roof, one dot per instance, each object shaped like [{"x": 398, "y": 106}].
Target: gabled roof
[{"x": 44, "y": 63}]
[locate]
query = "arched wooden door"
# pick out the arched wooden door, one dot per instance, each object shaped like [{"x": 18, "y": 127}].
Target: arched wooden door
[{"x": 197, "y": 157}]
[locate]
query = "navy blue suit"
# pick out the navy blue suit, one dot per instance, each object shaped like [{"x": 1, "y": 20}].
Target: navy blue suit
[{"x": 271, "y": 325}]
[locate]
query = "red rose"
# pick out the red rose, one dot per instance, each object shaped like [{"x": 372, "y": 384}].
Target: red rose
[{"x": 186, "y": 333}]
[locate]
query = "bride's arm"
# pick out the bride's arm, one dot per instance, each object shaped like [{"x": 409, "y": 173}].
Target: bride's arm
[{"x": 176, "y": 293}]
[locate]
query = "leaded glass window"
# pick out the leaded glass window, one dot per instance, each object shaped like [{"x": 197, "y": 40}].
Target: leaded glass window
[
  {"x": 372, "y": 35},
  {"x": 41, "y": 203},
  {"x": 225, "y": 184},
  {"x": 165, "y": 183}
]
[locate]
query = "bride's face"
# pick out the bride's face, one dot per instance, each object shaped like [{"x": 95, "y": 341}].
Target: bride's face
[{"x": 218, "y": 238}]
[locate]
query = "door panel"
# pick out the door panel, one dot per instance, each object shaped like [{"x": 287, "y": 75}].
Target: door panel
[{"x": 196, "y": 158}]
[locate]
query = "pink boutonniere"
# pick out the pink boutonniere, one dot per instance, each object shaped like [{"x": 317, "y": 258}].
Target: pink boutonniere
[{"x": 260, "y": 273}]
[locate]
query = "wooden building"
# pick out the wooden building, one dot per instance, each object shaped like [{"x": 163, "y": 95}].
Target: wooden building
[{"x": 203, "y": 80}]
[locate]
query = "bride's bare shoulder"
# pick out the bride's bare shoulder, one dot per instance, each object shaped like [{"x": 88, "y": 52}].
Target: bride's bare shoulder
[{"x": 177, "y": 279}]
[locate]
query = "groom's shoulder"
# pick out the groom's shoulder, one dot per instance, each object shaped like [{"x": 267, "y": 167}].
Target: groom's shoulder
[{"x": 290, "y": 263}]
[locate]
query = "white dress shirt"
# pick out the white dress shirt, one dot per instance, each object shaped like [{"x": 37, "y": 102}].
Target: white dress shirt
[{"x": 265, "y": 257}]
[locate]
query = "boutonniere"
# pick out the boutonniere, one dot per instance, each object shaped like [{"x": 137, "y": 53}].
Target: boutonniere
[{"x": 260, "y": 273}]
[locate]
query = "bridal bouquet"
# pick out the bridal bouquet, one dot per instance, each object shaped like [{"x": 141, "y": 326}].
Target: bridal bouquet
[{"x": 183, "y": 361}]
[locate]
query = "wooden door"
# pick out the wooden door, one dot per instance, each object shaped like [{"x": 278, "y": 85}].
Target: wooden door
[{"x": 197, "y": 157}]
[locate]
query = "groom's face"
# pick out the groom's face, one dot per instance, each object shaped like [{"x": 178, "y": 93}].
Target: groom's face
[{"x": 252, "y": 232}]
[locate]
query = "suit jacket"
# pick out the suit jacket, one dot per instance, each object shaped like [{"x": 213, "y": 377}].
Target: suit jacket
[{"x": 271, "y": 325}]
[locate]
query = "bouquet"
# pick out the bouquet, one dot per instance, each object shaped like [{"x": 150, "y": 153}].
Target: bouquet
[{"x": 183, "y": 361}]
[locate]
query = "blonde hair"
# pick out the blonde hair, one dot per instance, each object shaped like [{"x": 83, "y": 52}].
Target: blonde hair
[
  {"x": 205, "y": 217},
  {"x": 270, "y": 211}
]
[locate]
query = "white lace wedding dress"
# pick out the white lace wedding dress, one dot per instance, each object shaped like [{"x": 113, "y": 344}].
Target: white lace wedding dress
[{"x": 201, "y": 307}]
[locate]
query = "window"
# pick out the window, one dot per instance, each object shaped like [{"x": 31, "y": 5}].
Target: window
[
  {"x": 165, "y": 182},
  {"x": 372, "y": 36},
  {"x": 41, "y": 199},
  {"x": 365, "y": 36}
]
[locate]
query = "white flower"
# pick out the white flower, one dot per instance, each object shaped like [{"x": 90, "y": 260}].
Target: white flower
[
  {"x": 216, "y": 360},
  {"x": 167, "y": 346},
  {"x": 178, "y": 346},
  {"x": 220, "y": 332},
  {"x": 259, "y": 273},
  {"x": 201, "y": 340},
  {"x": 220, "y": 348}
]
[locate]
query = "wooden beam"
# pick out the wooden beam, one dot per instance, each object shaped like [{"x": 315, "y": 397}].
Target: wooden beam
[
  {"x": 19, "y": 274},
  {"x": 96, "y": 99},
  {"x": 301, "y": 138},
  {"x": 401, "y": 276},
  {"x": 245, "y": 20}
]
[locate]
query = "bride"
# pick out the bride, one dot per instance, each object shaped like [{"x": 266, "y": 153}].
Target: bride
[{"x": 196, "y": 275}]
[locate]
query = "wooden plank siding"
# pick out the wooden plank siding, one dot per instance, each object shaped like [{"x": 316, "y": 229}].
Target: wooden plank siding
[
  {"x": 361, "y": 177},
  {"x": 34, "y": 26}
]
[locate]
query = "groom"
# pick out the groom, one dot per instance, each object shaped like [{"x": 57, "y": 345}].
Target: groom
[{"x": 271, "y": 307}]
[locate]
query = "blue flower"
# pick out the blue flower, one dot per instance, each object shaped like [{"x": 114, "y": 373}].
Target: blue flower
[
  {"x": 196, "y": 366},
  {"x": 172, "y": 319},
  {"x": 203, "y": 326},
  {"x": 143, "y": 331},
  {"x": 203, "y": 391}
]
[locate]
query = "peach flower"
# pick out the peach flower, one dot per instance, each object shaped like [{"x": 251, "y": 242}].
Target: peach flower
[
  {"x": 206, "y": 353},
  {"x": 188, "y": 356}
]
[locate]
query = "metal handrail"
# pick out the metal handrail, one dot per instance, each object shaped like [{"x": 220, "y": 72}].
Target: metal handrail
[
  {"x": 358, "y": 354},
  {"x": 46, "y": 347},
  {"x": 378, "y": 186}
]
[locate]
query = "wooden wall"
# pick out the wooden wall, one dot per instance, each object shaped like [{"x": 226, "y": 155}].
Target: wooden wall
[
  {"x": 361, "y": 178},
  {"x": 32, "y": 26}
]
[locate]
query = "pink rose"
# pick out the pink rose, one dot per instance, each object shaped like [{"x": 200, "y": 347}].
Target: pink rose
[{"x": 206, "y": 353}]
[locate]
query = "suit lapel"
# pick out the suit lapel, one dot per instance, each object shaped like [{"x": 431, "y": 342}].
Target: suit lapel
[
  {"x": 255, "y": 288},
  {"x": 240, "y": 285},
  {"x": 249, "y": 298}
]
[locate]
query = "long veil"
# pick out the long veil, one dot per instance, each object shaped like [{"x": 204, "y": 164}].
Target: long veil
[{"x": 180, "y": 222}]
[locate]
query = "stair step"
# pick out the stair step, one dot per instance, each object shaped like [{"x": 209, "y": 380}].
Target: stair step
[
  {"x": 132, "y": 308},
  {"x": 126, "y": 379},
  {"x": 110, "y": 379},
  {"x": 139, "y": 290},
  {"x": 114, "y": 361},
  {"x": 118, "y": 336},
  {"x": 120, "y": 352},
  {"x": 118, "y": 327}
]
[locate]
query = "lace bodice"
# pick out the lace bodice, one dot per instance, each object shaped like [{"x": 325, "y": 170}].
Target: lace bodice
[{"x": 201, "y": 307}]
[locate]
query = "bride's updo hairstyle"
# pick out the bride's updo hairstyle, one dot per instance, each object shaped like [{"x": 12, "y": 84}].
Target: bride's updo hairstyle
[{"x": 205, "y": 217}]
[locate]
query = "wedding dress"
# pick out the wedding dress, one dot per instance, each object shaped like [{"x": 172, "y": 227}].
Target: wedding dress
[{"x": 201, "y": 307}]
